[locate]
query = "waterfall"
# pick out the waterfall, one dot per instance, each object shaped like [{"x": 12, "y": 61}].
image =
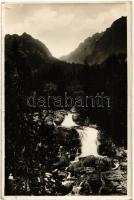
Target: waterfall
[
  {"x": 89, "y": 141},
  {"x": 88, "y": 137},
  {"x": 68, "y": 121}
]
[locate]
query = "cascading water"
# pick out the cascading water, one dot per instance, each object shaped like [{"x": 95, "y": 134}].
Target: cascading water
[
  {"x": 88, "y": 136},
  {"x": 68, "y": 122},
  {"x": 88, "y": 141}
]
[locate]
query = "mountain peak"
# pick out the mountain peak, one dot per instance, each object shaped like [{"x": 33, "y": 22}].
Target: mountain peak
[
  {"x": 95, "y": 49},
  {"x": 26, "y": 43}
]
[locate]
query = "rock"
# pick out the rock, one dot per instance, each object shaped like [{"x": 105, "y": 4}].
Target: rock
[
  {"x": 47, "y": 174},
  {"x": 76, "y": 190},
  {"x": 78, "y": 171},
  {"x": 83, "y": 170},
  {"x": 85, "y": 188},
  {"x": 121, "y": 154},
  {"x": 10, "y": 177},
  {"x": 63, "y": 162},
  {"x": 69, "y": 138},
  {"x": 107, "y": 163},
  {"x": 68, "y": 184},
  {"x": 59, "y": 117},
  {"x": 88, "y": 170},
  {"x": 89, "y": 161},
  {"x": 115, "y": 164},
  {"x": 112, "y": 175},
  {"x": 94, "y": 180},
  {"x": 49, "y": 121},
  {"x": 73, "y": 166},
  {"x": 123, "y": 165},
  {"x": 44, "y": 113},
  {"x": 100, "y": 163},
  {"x": 35, "y": 117},
  {"x": 76, "y": 118},
  {"x": 62, "y": 175},
  {"x": 113, "y": 183}
]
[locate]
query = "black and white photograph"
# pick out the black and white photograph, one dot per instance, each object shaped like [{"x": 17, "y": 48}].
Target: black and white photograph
[{"x": 66, "y": 77}]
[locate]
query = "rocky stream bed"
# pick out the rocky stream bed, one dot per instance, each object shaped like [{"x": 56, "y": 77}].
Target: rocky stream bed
[{"x": 53, "y": 159}]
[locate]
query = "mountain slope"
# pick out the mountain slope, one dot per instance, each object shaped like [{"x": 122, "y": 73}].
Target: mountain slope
[
  {"x": 29, "y": 61},
  {"x": 26, "y": 48},
  {"x": 83, "y": 50},
  {"x": 96, "y": 49}
]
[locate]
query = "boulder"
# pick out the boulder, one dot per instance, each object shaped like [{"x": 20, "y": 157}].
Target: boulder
[
  {"x": 95, "y": 182},
  {"x": 63, "y": 162},
  {"x": 88, "y": 170},
  {"x": 123, "y": 166},
  {"x": 121, "y": 154},
  {"x": 112, "y": 175},
  {"x": 59, "y": 117},
  {"x": 49, "y": 121},
  {"x": 73, "y": 166},
  {"x": 89, "y": 161},
  {"x": 66, "y": 187},
  {"x": 113, "y": 183}
]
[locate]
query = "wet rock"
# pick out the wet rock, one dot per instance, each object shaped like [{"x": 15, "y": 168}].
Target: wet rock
[
  {"x": 121, "y": 154},
  {"x": 69, "y": 138},
  {"x": 87, "y": 184},
  {"x": 66, "y": 188},
  {"x": 98, "y": 162},
  {"x": 95, "y": 181},
  {"x": 88, "y": 170},
  {"x": 76, "y": 190},
  {"x": 73, "y": 166},
  {"x": 77, "y": 118},
  {"x": 115, "y": 164},
  {"x": 83, "y": 170},
  {"x": 63, "y": 162},
  {"x": 68, "y": 184},
  {"x": 85, "y": 188},
  {"x": 35, "y": 116},
  {"x": 44, "y": 113},
  {"x": 59, "y": 117},
  {"x": 47, "y": 174},
  {"x": 113, "y": 183},
  {"x": 62, "y": 175},
  {"x": 89, "y": 161},
  {"x": 107, "y": 163},
  {"x": 78, "y": 171},
  {"x": 49, "y": 120},
  {"x": 112, "y": 175},
  {"x": 123, "y": 166}
]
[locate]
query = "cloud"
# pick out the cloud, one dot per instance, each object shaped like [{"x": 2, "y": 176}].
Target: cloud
[{"x": 61, "y": 26}]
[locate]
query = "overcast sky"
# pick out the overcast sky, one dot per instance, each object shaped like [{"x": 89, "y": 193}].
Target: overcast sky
[{"x": 61, "y": 27}]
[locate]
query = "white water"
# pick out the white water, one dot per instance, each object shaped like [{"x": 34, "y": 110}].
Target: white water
[
  {"x": 89, "y": 141},
  {"x": 68, "y": 121},
  {"x": 87, "y": 135}
]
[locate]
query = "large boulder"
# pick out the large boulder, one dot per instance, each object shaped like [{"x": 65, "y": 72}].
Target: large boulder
[
  {"x": 113, "y": 182},
  {"x": 91, "y": 184},
  {"x": 88, "y": 161}
]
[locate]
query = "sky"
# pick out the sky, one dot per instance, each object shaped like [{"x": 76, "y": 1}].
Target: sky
[{"x": 61, "y": 27}]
